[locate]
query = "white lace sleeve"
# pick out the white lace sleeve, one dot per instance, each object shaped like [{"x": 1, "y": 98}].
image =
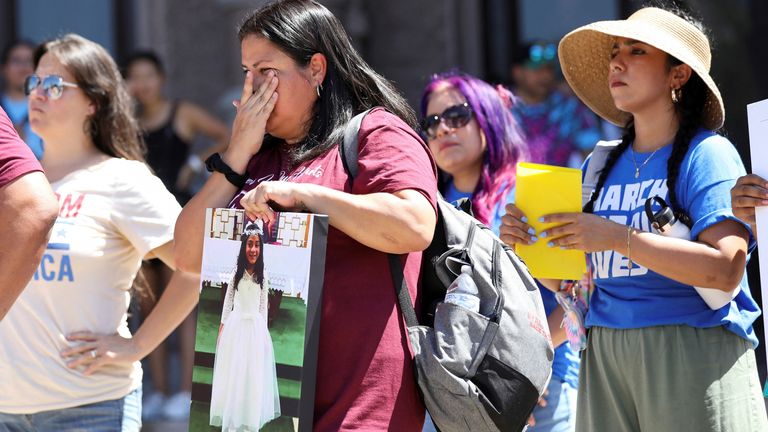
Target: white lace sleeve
[
  {"x": 264, "y": 303},
  {"x": 229, "y": 301}
]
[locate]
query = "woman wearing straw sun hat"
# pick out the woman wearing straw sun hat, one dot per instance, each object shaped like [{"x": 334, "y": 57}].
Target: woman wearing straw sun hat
[{"x": 658, "y": 358}]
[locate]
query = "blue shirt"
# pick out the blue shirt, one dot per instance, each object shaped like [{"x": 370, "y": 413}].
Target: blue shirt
[
  {"x": 18, "y": 112},
  {"x": 644, "y": 298},
  {"x": 565, "y": 365},
  {"x": 452, "y": 195}
]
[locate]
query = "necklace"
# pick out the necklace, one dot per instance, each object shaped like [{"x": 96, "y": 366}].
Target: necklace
[{"x": 637, "y": 168}]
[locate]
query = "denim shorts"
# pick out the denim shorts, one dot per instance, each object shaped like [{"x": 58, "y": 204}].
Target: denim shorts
[
  {"x": 119, "y": 415},
  {"x": 559, "y": 415}
]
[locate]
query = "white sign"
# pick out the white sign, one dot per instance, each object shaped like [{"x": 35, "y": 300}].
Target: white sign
[{"x": 757, "y": 116}]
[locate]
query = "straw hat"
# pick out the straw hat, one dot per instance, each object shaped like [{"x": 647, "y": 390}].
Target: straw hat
[{"x": 584, "y": 58}]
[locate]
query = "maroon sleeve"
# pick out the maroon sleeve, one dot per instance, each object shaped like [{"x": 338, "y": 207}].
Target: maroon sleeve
[
  {"x": 393, "y": 158},
  {"x": 16, "y": 159}
]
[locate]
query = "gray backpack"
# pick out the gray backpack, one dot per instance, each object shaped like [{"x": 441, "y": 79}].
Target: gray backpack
[{"x": 476, "y": 371}]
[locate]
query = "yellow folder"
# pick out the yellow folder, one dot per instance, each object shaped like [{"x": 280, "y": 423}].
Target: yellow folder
[{"x": 543, "y": 190}]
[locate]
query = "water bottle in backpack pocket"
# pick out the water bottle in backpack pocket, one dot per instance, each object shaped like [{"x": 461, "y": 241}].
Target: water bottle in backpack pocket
[
  {"x": 463, "y": 291},
  {"x": 665, "y": 222}
]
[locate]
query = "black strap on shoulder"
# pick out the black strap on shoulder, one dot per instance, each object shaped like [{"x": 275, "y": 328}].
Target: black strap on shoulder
[
  {"x": 349, "y": 155},
  {"x": 349, "y": 146},
  {"x": 401, "y": 290}
]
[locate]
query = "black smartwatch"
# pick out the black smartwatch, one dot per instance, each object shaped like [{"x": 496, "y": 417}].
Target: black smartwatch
[{"x": 215, "y": 163}]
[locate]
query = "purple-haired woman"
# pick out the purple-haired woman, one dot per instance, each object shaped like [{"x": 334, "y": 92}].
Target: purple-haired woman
[{"x": 476, "y": 143}]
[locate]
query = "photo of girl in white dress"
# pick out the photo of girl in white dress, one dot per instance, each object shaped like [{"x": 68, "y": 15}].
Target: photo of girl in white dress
[{"x": 244, "y": 389}]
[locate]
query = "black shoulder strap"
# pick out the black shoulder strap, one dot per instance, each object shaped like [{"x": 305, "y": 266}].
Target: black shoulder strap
[
  {"x": 401, "y": 290},
  {"x": 349, "y": 155},
  {"x": 349, "y": 146}
]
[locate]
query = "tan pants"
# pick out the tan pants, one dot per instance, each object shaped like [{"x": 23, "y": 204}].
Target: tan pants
[{"x": 669, "y": 378}]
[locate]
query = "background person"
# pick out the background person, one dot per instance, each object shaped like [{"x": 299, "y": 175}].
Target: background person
[
  {"x": 15, "y": 65},
  {"x": 169, "y": 129},
  {"x": 558, "y": 128},
  {"x": 477, "y": 143}
]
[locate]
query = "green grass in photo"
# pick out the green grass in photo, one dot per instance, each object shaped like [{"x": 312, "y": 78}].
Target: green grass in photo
[{"x": 287, "y": 333}]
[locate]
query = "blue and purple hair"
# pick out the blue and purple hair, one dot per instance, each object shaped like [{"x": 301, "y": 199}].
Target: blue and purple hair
[{"x": 504, "y": 139}]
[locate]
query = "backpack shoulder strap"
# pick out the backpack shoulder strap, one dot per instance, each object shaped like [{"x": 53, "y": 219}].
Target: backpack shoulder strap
[
  {"x": 596, "y": 164},
  {"x": 349, "y": 146},
  {"x": 349, "y": 158}
]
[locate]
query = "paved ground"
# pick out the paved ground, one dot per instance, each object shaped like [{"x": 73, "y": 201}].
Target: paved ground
[{"x": 165, "y": 426}]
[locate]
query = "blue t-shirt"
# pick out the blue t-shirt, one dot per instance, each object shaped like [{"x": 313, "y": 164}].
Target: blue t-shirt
[
  {"x": 645, "y": 298},
  {"x": 452, "y": 195},
  {"x": 565, "y": 365},
  {"x": 18, "y": 112}
]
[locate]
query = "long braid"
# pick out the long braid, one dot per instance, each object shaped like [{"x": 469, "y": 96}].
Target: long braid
[
  {"x": 690, "y": 111},
  {"x": 613, "y": 157}
]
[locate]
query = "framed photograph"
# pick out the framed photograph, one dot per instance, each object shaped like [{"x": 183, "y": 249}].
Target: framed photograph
[{"x": 258, "y": 322}]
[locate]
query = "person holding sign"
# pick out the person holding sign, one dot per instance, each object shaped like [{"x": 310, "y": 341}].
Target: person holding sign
[
  {"x": 749, "y": 192},
  {"x": 303, "y": 82},
  {"x": 655, "y": 347}
]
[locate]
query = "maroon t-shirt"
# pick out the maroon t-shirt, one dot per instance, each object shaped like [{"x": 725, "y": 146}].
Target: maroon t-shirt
[
  {"x": 16, "y": 159},
  {"x": 365, "y": 378}
]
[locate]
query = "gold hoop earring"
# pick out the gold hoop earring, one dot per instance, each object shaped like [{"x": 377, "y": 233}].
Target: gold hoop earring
[{"x": 675, "y": 96}]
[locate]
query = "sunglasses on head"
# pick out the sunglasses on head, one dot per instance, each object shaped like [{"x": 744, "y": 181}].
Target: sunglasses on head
[
  {"x": 53, "y": 85},
  {"x": 455, "y": 117}
]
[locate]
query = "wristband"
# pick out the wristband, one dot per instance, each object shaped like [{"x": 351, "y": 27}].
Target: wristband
[{"x": 215, "y": 163}]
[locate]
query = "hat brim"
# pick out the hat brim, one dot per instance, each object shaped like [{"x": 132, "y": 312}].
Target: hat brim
[{"x": 585, "y": 56}]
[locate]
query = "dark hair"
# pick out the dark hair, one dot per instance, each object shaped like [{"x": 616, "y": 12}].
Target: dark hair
[
  {"x": 690, "y": 111},
  {"x": 6, "y": 54},
  {"x": 301, "y": 28},
  {"x": 147, "y": 56},
  {"x": 242, "y": 260},
  {"x": 112, "y": 127},
  {"x": 505, "y": 145},
  {"x": 535, "y": 53}
]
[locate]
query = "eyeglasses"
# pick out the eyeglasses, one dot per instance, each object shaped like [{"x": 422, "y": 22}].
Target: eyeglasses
[
  {"x": 456, "y": 116},
  {"x": 53, "y": 85}
]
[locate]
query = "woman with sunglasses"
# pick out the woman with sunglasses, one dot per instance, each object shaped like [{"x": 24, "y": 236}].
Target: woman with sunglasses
[
  {"x": 658, "y": 357},
  {"x": 169, "y": 129},
  {"x": 75, "y": 363},
  {"x": 477, "y": 143},
  {"x": 303, "y": 83}
]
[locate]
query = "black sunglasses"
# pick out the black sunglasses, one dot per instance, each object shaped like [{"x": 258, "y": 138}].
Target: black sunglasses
[
  {"x": 456, "y": 116},
  {"x": 53, "y": 85}
]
